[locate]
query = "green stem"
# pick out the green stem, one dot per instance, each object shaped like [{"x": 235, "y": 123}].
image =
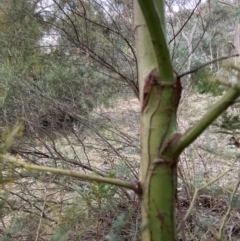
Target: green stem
[
  {"x": 155, "y": 20},
  {"x": 90, "y": 178},
  {"x": 195, "y": 131}
]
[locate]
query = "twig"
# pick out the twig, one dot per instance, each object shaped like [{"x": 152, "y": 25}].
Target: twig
[
  {"x": 226, "y": 216},
  {"x": 206, "y": 64},
  {"x": 202, "y": 187},
  {"x": 185, "y": 23},
  {"x": 41, "y": 216}
]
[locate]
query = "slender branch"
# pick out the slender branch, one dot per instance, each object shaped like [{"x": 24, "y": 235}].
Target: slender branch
[
  {"x": 197, "y": 190},
  {"x": 192, "y": 134},
  {"x": 90, "y": 178},
  {"x": 157, "y": 33},
  {"x": 206, "y": 64},
  {"x": 197, "y": 44},
  {"x": 41, "y": 216},
  {"x": 228, "y": 3},
  {"x": 226, "y": 216},
  {"x": 188, "y": 19}
]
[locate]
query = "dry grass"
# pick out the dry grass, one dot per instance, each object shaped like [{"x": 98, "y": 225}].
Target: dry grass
[
  {"x": 89, "y": 213},
  {"x": 208, "y": 158}
]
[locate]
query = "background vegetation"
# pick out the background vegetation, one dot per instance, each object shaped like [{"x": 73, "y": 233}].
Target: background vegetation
[{"x": 68, "y": 69}]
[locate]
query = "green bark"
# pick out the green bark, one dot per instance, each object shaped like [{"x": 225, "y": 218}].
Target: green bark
[
  {"x": 161, "y": 145},
  {"x": 158, "y": 124}
]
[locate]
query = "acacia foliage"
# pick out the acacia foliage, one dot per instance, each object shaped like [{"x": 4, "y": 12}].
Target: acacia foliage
[{"x": 57, "y": 65}]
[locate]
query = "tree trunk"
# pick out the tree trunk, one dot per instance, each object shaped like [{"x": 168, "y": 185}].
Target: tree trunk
[
  {"x": 158, "y": 124},
  {"x": 161, "y": 145}
]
